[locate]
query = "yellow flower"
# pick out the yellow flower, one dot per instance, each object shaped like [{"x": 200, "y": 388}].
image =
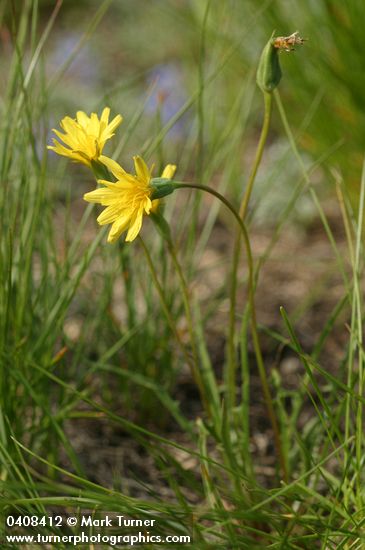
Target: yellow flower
[
  {"x": 85, "y": 136},
  {"x": 128, "y": 199}
]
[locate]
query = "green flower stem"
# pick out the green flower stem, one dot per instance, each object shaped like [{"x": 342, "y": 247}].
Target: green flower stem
[
  {"x": 192, "y": 364},
  {"x": 258, "y": 156},
  {"x": 189, "y": 319},
  {"x": 255, "y": 336},
  {"x": 185, "y": 293},
  {"x": 208, "y": 392},
  {"x": 232, "y": 360}
]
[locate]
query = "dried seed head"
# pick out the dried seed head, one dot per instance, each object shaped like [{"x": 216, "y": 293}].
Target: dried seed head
[{"x": 287, "y": 43}]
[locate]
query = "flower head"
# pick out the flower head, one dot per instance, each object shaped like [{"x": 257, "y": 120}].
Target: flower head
[
  {"x": 128, "y": 199},
  {"x": 84, "y": 137}
]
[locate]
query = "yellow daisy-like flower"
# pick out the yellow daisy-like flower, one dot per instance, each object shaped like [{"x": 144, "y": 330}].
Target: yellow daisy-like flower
[
  {"x": 128, "y": 199},
  {"x": 85, "y": 136}
]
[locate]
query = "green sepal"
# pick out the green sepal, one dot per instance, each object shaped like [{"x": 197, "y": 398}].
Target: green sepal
[
  {"x": 100, "y": 170},
  {"x": 269, "y": 72},
  {"x": 161, "y": 188},
  {"x": 162, "y": 225}
]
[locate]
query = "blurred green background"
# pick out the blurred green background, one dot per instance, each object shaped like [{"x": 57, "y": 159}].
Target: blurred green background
[{"x": 86, "y": 347}]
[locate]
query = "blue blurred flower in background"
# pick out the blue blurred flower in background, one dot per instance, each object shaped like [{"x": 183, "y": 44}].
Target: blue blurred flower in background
[
  {"x": 84, "y": 68},
  {"x": 168, "y": 96}
]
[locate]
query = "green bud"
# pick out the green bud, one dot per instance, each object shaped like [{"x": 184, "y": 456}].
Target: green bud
[
  {"x": 269, "y": 73},
  {"x": 161, "y": 187}
]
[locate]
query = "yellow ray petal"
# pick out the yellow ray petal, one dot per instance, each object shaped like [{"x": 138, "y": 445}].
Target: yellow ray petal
[
  {"x": 110, "y": 214},
  {"x": 105, "y": 116},
  {"x": 68, "y": 139},
  {"x": 135, "y": 225},
  {"x": 94, "y": 125},
  {"x": 126, "y": 184},
  {"x": 99, "y": 195},
  {"x": 118, "y": 227},
  {"x": 108, "y": 132},
  {"x": 147, "y": 205},
  {"x": 169, "y": 171},
  {"x": 82, "y": 119},
  {"x": 113, "y": 166},
  {"x": 141, "y": 169}
]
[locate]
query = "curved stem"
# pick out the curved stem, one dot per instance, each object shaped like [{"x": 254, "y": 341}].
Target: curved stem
[
  {"x": 231, "y": 348},
  {"x": 251, "y": 298},
  {"x": 258, "y": 155}
]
